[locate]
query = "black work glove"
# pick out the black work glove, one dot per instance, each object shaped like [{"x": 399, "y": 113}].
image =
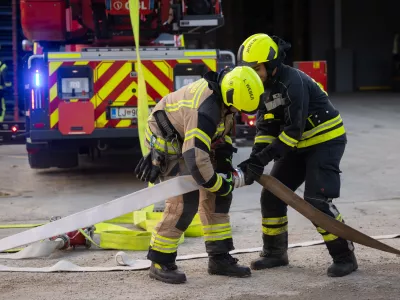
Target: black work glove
[
  {"x": 227, "y": 185},
  {"x": 252, "y": 169},
  {"x": 223, "y": 158},
  {"x": 148, "y": 170}
]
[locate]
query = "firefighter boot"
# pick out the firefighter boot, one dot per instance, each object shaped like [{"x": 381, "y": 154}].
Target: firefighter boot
[
  {"x": 168, "y": 273},
  {"x": 225, "y": 264},
  {"x": 274, "y": 253},
  {"x": 344, "y": 260}
]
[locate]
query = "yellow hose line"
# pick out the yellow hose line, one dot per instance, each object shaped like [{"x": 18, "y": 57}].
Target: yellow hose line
[{"x": 143, "y": 107}]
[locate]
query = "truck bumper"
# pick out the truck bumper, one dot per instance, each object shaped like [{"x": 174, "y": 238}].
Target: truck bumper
[
  {"x": 103, "y": 133},
  {"x": 8, "y": 137},
  {"x": 245, "y": 132}
]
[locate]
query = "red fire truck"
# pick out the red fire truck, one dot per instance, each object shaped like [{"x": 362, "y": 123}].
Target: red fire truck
[{"x": 81, "y": 86}]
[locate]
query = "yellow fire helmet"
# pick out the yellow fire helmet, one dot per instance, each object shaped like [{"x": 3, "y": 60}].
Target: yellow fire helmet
[
  {"x": 242, "y": 88},
  {"x": 256, "y": 49}
]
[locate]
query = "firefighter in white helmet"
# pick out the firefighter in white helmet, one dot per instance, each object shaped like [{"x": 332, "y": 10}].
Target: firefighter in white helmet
[
  {"x": 300, "y": 129},
  {"x": 189, "y": 133}
]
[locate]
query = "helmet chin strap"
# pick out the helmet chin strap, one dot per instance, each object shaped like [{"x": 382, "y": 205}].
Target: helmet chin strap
[{"x": 276, "y": 63}]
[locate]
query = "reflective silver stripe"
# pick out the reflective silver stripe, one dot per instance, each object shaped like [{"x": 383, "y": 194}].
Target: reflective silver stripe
[{"x": 275, "y": 103}]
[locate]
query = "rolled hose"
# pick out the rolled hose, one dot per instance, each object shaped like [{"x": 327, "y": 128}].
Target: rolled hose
[{"x": 319, "y": 218}]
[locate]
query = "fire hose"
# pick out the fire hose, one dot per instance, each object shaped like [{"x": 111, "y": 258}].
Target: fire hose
[{"x": 175, "y": 187}]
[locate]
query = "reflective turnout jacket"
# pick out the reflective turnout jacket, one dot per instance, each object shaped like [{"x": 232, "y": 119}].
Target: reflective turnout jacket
[
  {"x": 297, "y": 114},
  {"x": 198, "y": 114}
]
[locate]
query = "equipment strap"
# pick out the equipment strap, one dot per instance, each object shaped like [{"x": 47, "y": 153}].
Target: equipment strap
[{"x": 168, "y": 130}]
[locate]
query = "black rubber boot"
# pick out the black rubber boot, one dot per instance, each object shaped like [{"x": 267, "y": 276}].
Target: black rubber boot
[
  {"x": 343, "y": 265},
  {"x": 225, "y": 264},
  {"x": 168, "y": 273},
  {"x": 274, "y": 252}
]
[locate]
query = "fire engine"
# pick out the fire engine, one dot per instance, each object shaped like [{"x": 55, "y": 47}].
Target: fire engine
[{"x": 81, "y": 79}]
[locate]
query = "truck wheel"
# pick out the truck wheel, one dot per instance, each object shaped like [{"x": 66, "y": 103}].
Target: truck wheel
[
  {"x": 40, "y": 159},
  {"x": 66, "y": 160}
]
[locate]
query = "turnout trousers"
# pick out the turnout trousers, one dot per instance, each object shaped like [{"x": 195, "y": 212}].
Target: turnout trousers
[
  {"x": 178, "y": 214},
  {"x": 318, "y": 167}
]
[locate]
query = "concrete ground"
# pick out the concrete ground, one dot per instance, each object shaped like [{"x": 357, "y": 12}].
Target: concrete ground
[{"x": 370, "y": 202}]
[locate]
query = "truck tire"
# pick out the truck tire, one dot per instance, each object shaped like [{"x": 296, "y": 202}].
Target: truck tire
[
  {"x": 40, "y": 159},
  {"x": 66, "y": 160},
  {"x": 45, "y": 159}
]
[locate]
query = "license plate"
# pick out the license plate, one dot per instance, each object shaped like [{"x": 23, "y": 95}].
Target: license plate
[{"x": 125, "y": 112}]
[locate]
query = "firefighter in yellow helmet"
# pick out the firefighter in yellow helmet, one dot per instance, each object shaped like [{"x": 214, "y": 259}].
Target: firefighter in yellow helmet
[
  {"x": 188, "y": 133},
  {"x": 300, "y": 129}
]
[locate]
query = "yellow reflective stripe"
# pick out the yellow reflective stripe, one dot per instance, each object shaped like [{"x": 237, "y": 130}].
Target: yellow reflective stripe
[
  {"x": 164, "y": 250},
  {"x": 3, "y": 66},
  {"x": 200, "y": 53},
  {"x": 269, "y": 116},
  {"x": 3, "y": 109},
  {"x": 191, "y": 103},
  {"x": 164, "y": 240},
  {"x": 196, "y": 98},
  {"x": 63, "y": 55},
  {"x": 199, "y": 134},
  {"x": 219, "y": 237},
  {"x": 217, "y": 185},
  {"x": 264, "y": 139},
  {"x": 217, "y": 232},
  {"x": 216, "y": 226},
  {"x": 311, "y": 122},
  {"x": 176, "y": 106},
  {"x": 7, "y": 84},
  {"x": 329, "y": 237},
  {"x": 324, "y": 126},
  {"x": 230, "y": 190},
  {"x": 322, "y": 138},
  {"x": 274, "y": 221},
  {"x": 274, "y": 231},
  {"x": 163, "y": 244},
  {"x": 228, "y": 139},
  {"x": 159, "y": 143},
  {"x": 322, "y": 231},
  {"x": 291, "y": 142}
]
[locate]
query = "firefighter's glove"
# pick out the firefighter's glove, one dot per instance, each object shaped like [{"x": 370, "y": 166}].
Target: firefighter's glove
[
  {"x": 257, "y": 148},
  {"x": 227, "y": 185},
  {"x": 149, "y": 168},
  {"x": 252, "y": 169},
  {"x": 223, "y": 158}
]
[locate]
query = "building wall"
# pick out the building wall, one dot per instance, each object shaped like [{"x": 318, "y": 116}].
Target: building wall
[{"x": 368, "y": 29}]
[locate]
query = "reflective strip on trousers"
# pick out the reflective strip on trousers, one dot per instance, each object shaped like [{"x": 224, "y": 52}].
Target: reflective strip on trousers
[
  {"x": 275, "y": 226},
  {"x": 328, "y": 237},
  {"x": 217, "y": 232},
  {"x": 163, "y": 244}
]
